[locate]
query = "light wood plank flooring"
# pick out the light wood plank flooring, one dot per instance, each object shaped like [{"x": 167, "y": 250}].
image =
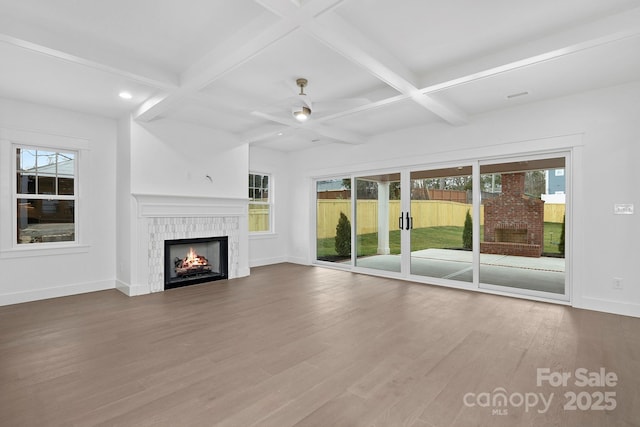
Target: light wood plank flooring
[{"x": 303, "y": 346}]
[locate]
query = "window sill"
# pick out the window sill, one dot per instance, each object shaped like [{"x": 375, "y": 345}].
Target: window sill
[
  {"x": 265, "y": 235},
  {"x": 38, "y": 252}
]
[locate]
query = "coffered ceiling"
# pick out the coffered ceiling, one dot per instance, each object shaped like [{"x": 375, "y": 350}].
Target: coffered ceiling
[{"x": 372, "y": 67}]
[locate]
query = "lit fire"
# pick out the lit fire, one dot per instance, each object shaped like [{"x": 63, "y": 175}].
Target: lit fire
[
  {"x": 194, "y": 259},
  {"x": 192, "y": 264}
]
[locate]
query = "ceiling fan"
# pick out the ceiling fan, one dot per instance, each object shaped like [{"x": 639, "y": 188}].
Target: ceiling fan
[
  {"x": 300, "y": 107},
  {"x": 294, "y": 113}
]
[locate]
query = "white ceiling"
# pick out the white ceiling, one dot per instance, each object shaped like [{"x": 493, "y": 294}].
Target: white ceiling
[{"x": 232, "y": 65}]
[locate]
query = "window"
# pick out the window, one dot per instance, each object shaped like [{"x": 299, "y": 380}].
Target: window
[
  {"x": 260, "y": 203},
  {"x": 45, "y": 194}
]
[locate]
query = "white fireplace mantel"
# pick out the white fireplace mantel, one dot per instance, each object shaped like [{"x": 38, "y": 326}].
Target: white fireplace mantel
[
  {"x": 157, "y": 205},
  {"x": 157, "y": 217}
]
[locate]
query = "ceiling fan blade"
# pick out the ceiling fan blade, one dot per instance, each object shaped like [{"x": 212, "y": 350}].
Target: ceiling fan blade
[
  {"x": 272, "y": 107},
  {"x": 337, "y": 135},
  {"x": 282, "y": 109},
  {"x": 335, "y": 105},
  {"x": 279, "y": 117}
]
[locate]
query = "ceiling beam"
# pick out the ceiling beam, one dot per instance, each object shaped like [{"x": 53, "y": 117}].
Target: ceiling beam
[
  {"x": 279, "y": 8},
  {"x": 337, "y": 134},
  {"x": 363, "y": 108},
  {"x": 609, "y": 30},
  {"x": 245, "y": 44},
  {"x": 241, "y": 47},
  {"x": 331, "y": 30},
  {"x": 330, "y": 132},
  {"x": 264, "y": 132},
  {"x": 591, "y": 34},
  {"x": 164, "y": 82},
  {"x": 335, "y": 33},
  {"x": 530, "y": 61},
  {"x": 299, "y": 11},
  {"x": 339, "y": 36}
]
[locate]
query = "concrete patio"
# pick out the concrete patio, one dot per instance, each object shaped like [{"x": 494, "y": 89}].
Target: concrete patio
[{"x": 543, "y": 274}]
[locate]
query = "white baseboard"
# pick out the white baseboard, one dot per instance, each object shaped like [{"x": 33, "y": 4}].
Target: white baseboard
[
  {"x": 60, "y": 291},
  {"x": 266, "y": 261},
  {"x": 242, "y": 272},
  {"x": 609, "y": 306},
  {"x": 131, "y": 290},
  {"x": 296, "y": 260}
]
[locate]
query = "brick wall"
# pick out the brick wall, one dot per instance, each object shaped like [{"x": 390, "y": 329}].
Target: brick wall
[
  {"x": 513, "y": 211},
  {"x": 515, "y": 249}
]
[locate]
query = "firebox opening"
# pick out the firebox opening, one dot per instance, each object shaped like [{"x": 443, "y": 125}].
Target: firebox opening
[
  {"x": 192, "y": 261},
  {"x": 511, "y": 235}
]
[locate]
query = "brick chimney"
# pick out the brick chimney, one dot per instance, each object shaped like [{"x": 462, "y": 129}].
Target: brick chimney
[
  {"x": 513, "y": 183},
  {"x": 513, "y": 222}
]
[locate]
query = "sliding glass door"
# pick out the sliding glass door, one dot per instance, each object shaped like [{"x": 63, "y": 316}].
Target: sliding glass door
[
  {"x": 495, "y": 225},
  {"x": 441, "y": 232},
  {"x": 523, "y": 234},
  {"x": 378, "y": 238}
]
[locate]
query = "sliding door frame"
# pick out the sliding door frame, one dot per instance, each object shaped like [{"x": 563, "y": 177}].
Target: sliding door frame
[
  {"x": 405, "y": 273},
  {"x": 561, "y": 298}
]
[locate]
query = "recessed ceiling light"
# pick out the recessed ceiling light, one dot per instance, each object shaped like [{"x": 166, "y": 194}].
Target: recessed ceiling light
[
  {"x": 125, "y": 95},
  {"x": 517, "y": 95},
  {"x": 280, "y": 133}
]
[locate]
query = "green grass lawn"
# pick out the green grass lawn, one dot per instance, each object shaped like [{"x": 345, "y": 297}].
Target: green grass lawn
[{"x": 426, "y": 238}]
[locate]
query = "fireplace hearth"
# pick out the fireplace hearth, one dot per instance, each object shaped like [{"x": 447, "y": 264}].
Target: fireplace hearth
[{"x": 193, "y": 261}]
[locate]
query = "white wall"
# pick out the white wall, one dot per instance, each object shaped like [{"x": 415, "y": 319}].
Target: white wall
[
  {"x": 171, "y": 158},
  {"x": 124, "y": 204},
  {"x": 605, "y": 128},
  {"x": 174, "y": 158},
  {"x": 26, "y": 278},
  {"x": 272, "y": 248}
]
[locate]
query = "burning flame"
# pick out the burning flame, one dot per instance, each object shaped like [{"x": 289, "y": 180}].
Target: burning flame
[
  {"x": 193, "y": 259},
  {"x": 192, "y": 264}
]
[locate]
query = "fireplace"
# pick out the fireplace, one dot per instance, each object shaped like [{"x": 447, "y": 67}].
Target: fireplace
[
  {"x": 192, "y": 261},
  {"x": 513, "y": 221}
]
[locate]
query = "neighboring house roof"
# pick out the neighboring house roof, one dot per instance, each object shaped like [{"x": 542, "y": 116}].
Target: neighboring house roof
[
  {"x": 335, "y": 185},
  {"x": 65, "y": 168}
]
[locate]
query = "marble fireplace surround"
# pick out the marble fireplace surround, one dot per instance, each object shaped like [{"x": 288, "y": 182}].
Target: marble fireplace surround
[{"x": 169, "y": 217}]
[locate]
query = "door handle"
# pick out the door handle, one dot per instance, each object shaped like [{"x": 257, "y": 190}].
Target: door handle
[
  {"x": 401, "y": 222},
  {"x": 408, "y": 222}
]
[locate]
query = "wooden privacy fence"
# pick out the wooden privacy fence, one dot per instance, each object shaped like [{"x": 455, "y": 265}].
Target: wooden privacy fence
[
  {"x": 426, "y": 213},
  {"x": 554, "y": 212},
  {"x": 259, "y": 218}
]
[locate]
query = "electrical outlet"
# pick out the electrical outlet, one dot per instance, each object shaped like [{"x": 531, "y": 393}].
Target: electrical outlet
[
  {"x": 617, "y": 283},
  {"x": 623, "y": 209}
]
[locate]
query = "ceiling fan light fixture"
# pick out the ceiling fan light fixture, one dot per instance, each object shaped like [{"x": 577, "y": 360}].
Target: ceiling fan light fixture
[
  {"x": 301, "y": 113},
  {"x": 302, "y": 107}
]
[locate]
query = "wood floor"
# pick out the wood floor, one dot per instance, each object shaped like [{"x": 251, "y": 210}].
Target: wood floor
[{"x": 303, "y": 346}]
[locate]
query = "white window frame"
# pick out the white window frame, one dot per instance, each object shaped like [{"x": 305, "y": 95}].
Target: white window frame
[
  {"x": 10, "y": 140},
  {"x": 269, "y": 204},
  {"x": 38, "y": 196}
]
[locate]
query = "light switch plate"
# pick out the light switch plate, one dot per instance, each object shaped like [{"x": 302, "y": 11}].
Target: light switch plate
[{"x": 623, "y": 209}]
